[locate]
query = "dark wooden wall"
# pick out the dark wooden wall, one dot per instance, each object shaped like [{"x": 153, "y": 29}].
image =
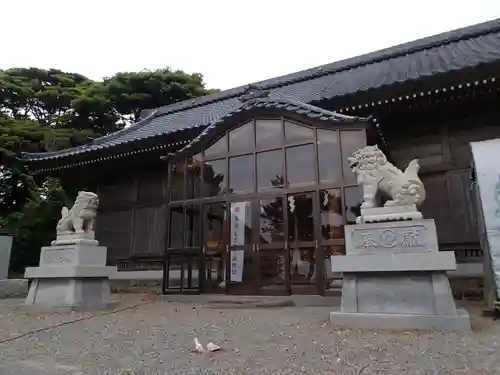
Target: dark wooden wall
[
  {"x": 442, "y": 147},
  {"x": 131, "y": 221}
]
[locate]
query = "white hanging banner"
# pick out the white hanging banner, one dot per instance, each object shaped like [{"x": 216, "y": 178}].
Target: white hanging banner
[
  {"x": 237, "y": 260},
  {"x": 238, "y": 223},
  {"x": 487, "y": 185}
]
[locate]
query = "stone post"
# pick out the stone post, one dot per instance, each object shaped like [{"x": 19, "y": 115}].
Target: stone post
[{"x": 5, "y": 248}]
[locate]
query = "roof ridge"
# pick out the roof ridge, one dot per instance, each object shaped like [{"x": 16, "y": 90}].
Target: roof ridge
[
  {"x": 289, "y": 87},
  {"x": 286, "y": 99},
  {"x": 319, "y": 71},
  {"x": 432, "y": 41}
]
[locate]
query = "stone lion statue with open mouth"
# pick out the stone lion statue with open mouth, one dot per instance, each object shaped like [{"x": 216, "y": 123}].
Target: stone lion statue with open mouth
[{"x": 375, "y": 172}]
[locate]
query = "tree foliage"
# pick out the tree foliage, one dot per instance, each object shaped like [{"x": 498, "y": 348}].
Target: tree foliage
[
  {"x": 125, "y": 95},
  {"x": 47, "y": 110},
  {"x": 33, "y": 224}
]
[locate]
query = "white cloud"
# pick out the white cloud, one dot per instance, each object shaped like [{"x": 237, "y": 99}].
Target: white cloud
[{"x": 230, "y": 42}]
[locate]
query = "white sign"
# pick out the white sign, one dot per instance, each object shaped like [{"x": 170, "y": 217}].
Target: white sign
[
  {"x": 238, "y": 222},
  {"x": 485, "y": 156},
  {"x": 237, "y": 260}
]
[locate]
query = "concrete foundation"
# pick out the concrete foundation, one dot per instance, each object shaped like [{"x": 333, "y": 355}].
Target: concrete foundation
[
  {"x": 13, "y": 288},
  {"x": 70, "y": 276},
  {"x": 394, "y": 277},
  {"x": 77, "y": 294},
  {"x": 458, "y": 322}
]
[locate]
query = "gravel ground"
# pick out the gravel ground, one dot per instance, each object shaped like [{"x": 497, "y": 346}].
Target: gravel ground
[{"x": 157, "y": 338}]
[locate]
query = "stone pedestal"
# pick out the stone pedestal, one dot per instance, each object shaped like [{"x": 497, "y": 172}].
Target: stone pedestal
[
  {"x": 71, "y": 275},
  {"x": 5, "y": 247},
  {"x": 395, "y": 278},
  {"x": 389, "y": 213}
]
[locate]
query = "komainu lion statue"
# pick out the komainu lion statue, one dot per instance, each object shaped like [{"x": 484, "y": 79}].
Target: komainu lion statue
[
  {"x": 80, "y": 218},
  {"x": 375, "y": 173}
]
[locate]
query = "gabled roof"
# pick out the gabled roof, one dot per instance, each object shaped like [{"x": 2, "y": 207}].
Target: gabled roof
[
  {"x": 266, "y": 100},
  {"x": 450, "y": 51}
]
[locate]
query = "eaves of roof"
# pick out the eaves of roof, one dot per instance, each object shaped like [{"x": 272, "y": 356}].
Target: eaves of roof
[
  {"x": 450, "y": 51},
  {"x": 284, "y": 104}
]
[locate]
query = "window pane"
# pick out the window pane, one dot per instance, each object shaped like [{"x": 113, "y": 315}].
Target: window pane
[
  {"x": 241, "y": 138},
  {"x": 353, "y": 199},
  {"x": 214, "y": 177},
  {"x": 351, "y": 141},
  {"x": 271, "y": 221},
  {"x": 214, "y": 225},
  {"x": 296, "y": 133},
  {"x": 177, "y": 181},
  {"x": 269, "y": 133},
  {"x": 215, "y": 217},
  {"x": 300, "y": 217},
  {"x": 218, "y": 148},
  {"x": 193, "y": 226},
  {"x": 331, "y": 219},
  {"x": 241, "y": 223},
  {"x": 241, "y": 174},
  {"x": 176, "y": 230},
  {"x": 270, "y": 169},
  {"x": 330, "y": 162},
  {"x": 193, "y": 177},
  {"x": 300, "y": 165}
]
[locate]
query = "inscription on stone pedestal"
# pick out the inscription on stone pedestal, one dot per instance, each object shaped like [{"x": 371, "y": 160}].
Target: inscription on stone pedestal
[
  {"x": 58, "y": 256},
  {"x": 413, "y": 237}
]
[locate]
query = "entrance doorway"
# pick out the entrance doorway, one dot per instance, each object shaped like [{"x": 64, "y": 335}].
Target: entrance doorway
[
  {"x": 265, "y": 245},
  {"x": 306, "y": 266},
  {"x": 270, "y": 245}
]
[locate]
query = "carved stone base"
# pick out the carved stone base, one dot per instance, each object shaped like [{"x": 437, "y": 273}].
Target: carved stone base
[
  {"x": 389, "y": 213},
  {"x": 72, "y": 276},
  {"x": 71, "y": 238},
  {"x": 69, "y": 293}
]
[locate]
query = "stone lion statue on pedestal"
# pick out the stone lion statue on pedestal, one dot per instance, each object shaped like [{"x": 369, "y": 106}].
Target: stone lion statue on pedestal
[
  {"x": 375, "y": 172},
  {"x": 80, "y": 218}
]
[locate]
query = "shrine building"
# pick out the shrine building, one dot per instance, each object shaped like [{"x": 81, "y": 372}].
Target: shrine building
[{"x": 261, "y": 172}]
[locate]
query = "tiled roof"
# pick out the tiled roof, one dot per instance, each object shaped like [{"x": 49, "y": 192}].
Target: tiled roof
[
  {"x": 265, "y": 99},
  {"x": 450, "y": 51}
]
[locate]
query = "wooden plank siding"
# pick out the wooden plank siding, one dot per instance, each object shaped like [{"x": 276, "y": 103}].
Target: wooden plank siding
[
  {"x": 131, "y": 221},
  {"x": 442, "y": 148}
]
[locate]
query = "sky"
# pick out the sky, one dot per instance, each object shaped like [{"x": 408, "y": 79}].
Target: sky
[{"x": 231, "y": 43}]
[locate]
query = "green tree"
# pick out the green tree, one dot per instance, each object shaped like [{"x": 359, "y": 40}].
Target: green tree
[
  {"x": 25, "y": 135},
  {"x": 39, "y": 94},
  {"x": 32, "y": 226},
  {"x": 127, "y": 94},
  {"x": 46, "y": 110}
]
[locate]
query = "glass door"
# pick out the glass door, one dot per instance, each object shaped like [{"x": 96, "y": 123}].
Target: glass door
[
  {"x": 183, "y": 256},
  {"x": 214, "y": 247},
  {"x": 241, "y": 267},
  {"x": 306, "y": 267},
  {"x": 271, "y": 254},
  {"x": 331, "y": 236}
]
